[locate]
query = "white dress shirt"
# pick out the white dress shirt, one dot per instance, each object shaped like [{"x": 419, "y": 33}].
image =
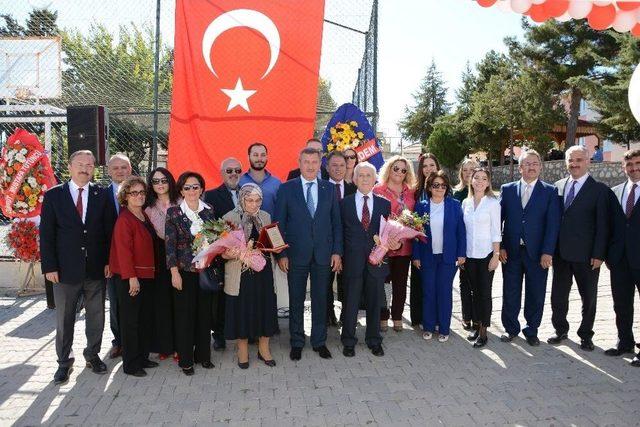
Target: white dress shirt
[
  {"x": 579, "y": 183},
  {"x": 483, "y": 226},
  {"x": 73, "y": 189},
  {"x": 360, "y": 204},
  {"x": 436, "y": 223},
  {"x": 626, "y": 191},
  {"x": 341, "y": 184},
  {"x": 314, "y": 190}
]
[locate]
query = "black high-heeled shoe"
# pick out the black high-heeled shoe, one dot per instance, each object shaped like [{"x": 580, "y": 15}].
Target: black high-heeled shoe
[
  {"x": 208, "y": 365},
  {"x": 243, "y": 365},
  {"x": 271, "y": 363},
  {"x": 188, "y": 371}
]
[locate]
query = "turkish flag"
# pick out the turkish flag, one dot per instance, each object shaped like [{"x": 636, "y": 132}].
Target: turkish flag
[{"x": 245, "y": 71}]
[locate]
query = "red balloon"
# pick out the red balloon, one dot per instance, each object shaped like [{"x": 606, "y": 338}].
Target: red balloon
[
  {"x": 556, "y": 8},
  {"x": 636, "y": 30},
  {"x": 487, "y": 3},
  {"x": 538, "y": 13},
  {"x": 601, "y": 17},
  {"x": 628, "y": 5}
]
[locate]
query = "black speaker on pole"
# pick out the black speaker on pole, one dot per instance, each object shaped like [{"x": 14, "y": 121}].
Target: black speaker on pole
[{"x": 88, "y": 129}]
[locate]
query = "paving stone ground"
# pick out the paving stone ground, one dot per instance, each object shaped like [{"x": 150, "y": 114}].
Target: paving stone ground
[{"x": 415, "y": 383}]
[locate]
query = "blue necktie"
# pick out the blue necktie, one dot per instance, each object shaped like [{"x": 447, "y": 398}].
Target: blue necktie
[
  {"x": 311, "y": 205},
  {"x": 570, "y": 196}
]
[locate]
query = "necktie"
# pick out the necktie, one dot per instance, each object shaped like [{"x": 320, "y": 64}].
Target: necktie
[
  {"x": 570, "y": 196},
  {"x": 310, "y": 203},
  {"x": 79, "y": 205},
  {"x": 631, "y": 201},
  {"x": 525, "y": 195},
  {"x": 338, "y": 191},
  {"x": 366, "y": 215}
]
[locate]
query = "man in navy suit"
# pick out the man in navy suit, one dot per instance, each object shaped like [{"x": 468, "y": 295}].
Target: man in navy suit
[
  {"x": 75, "y": 234},
  {"x": 360, "y": 214},
  {"x": 309, "y": 216},
  {"x": 531, "y": 218},
  {"x": 623, "y": 257}
]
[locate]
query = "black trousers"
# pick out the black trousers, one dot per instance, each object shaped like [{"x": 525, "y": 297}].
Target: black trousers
[
  {"x": 587, "y": 281},
  {"x": 373, "y": 291},
  {"x": 415, "y": 297},
  {"x": 625, "y": 279},
  {"x": 465, "y": 295},
  {"x": 330, "y": 296},
  {"x": 480, "y": 279},
  {"x": 135, "y": 320},
  {"x": 193, "y": 321}
]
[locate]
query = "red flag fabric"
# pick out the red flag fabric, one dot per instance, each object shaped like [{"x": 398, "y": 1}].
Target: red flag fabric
[{"x": 245, "y": 71}]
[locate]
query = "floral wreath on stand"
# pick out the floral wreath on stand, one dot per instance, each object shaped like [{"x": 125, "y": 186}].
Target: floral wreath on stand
[{"x": 345, "y": 136}]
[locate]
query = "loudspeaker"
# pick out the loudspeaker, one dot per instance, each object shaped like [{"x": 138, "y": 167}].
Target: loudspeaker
[{"x": 88, "y": 129}]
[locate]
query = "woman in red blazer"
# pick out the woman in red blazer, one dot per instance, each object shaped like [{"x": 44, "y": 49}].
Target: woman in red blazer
[{"x": 132, "y": 263}]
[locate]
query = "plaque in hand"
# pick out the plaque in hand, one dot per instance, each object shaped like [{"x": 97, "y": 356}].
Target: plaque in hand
[{"x": 270, "y": 239}]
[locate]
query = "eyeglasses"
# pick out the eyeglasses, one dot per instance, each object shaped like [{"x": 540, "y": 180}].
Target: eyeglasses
[
  {"x": 352, "y": 157},
  {"x": 156, "y": 181},
  {"x": 136, "y": 193},
  {"x": 437, "y": 185},
  {"x": 191, "y": 187},
  {"x": 397, "y": 169},
  {"x": 229, "y": 171}
]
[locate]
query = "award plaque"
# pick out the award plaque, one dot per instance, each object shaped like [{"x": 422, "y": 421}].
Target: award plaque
[{"x": 270, "y": 238}]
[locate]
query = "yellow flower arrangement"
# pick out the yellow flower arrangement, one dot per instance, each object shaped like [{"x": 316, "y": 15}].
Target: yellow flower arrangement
[{"x": 345, "y": 136}]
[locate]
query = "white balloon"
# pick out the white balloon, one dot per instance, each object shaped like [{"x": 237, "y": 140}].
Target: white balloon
[
  {"x": 602, "y": 2},
  {"x": 520, "y": 6},
  {"x": 634, "y": 93},
  {"x": 579, "y": 9},
  {"x": 564, "y": 17},
  {"x": 624, "y": 21},
  {"x": 504, "y": 6}
]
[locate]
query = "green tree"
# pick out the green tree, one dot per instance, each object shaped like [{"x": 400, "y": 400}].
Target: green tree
[
  {"x": 447, "y": 141},
  {"x": 325, "y": 106},
  {"x": 11, "y": 27},
  {"x": 42, "y": 22},
  {"x": 464, "y": 94},
  {"x": 431, "y": 103}
]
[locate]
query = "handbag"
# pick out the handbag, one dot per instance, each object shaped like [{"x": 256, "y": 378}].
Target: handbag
[{"x": 211, "y": 279}]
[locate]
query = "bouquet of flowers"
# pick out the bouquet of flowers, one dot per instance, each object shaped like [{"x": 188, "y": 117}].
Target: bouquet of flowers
[
  {"x": 345, "y": 136},
  {"x": 390, "y": 230},
  {"x": 23, "y": 240},
  {"x": 414, "y": 221},
  {"x": 225, "y": 235},
  {"x": 25, "y": 175}
]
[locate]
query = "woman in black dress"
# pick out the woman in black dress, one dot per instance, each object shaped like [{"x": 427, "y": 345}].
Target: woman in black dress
[{"x": 250, "y": 306}]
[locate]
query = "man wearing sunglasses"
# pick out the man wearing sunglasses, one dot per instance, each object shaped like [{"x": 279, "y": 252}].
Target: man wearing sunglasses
[{"x": 223, "y": 200}]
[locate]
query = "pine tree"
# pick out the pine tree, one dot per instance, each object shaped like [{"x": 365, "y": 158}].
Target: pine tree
[
  {"x": 464, "y": 94},
  {"x": 42, "y": 22}
]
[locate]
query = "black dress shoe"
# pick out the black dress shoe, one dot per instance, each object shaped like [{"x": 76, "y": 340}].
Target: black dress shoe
[
  {"x": 243, "y": 365},
  {"x": 97, "y": 366},
  {"x": 115, "y": 352},
  {"x": 556, "y": 339},
  {"x": 635, "y": 362},
  {"x": 466, "y": 326},
  {"x": 219, "y": 344},
  {"x": 62, "y": 375},
  {"x": 617, "y": 351},
  {"x": 188, "y": 371},
  {"x": 207, "y": 365},
  {"x": 507, "y": 337},
  {"x": 473, "y": 335},
  {"x": 323, "y": 351},
  {"x": 586, "y": 345},
  {"x": 270, "y": 363},
  {"x": 533, "y": 341},
  {"x": 296, "y": 353},
  {"x": 348, "y": 352},
  {"x": 480, "y": 342},
  {"x": 377, "y": 350},
  {"x": 149, "y": 364},
  {"x": 139, "y": 373}
]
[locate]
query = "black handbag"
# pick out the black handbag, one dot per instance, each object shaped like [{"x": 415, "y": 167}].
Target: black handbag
[{"x": 211, "y": 279}]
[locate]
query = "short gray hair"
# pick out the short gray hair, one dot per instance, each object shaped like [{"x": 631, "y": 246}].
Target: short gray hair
[
  {"x": 82, "y": 153},
  {"x": 119, "y": 156},
  {"x": 576, "y": 148},
  {"x": 365, "y": 165},
  {"x": 528, "y": 152}
]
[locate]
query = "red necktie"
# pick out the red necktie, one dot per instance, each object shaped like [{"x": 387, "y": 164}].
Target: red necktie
[
  {"x": 79, "y": 206},
  {"x": 631, "y": 201},
  {"x": 338, "y": 191},
  {"x": 366, "y": 216}
]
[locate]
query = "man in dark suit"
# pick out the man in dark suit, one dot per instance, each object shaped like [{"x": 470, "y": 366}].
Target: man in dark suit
[
  {"x": 531, "y": 218},
  {"x": 360, "y": 214},
  {"x": 223, "y": 199},
  {"x": 119, "y": 168},
  {"x": 582, "y": 245},
  {"x": 623, "y": 257},
  {"x": 309, "y": 216},
  {"x": 337, "y": 168},
  {"x": 75, "y": 233},
  {"x": 323, "y": 173}
]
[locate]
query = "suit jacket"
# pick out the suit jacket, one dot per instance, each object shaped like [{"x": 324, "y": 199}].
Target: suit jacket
[
  {"x": 178, "y": 238},
  {"x": 454, "y": 234},
  {"x": 537, "y": 224},
  {"x": 625, "y": 232},
  {"x": 113, "y": 201},
  {"x": 584, "y": 226},
  {"x": 75, "y": 250},
  {"x": 295, "y": 173},
  {"x": 358, "y": 242},
  {"x": 309, "y": 238},
  {"x": 220, "y": 200}
]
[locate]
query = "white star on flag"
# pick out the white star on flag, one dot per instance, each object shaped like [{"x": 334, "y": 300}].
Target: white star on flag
[{"x": 238, "y": 96}]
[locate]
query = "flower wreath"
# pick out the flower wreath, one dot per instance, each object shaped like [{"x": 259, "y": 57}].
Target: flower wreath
[{"x": 345, "y": 136}]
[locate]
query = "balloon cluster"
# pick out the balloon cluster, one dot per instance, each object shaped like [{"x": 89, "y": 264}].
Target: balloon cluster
[{"x": 622, "y": 16}]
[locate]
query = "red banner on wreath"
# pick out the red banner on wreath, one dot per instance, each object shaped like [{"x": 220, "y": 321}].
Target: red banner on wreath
[{"x": 25, "y": 175}]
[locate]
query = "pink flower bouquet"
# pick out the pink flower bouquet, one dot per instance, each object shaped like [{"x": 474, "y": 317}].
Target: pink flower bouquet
[
  {"x": 249, "y": 256},
  {"x": 390, "y": 230}
]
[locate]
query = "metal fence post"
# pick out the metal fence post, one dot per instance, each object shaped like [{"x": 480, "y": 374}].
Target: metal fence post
[
  {"x": 375, "y": 65},
  {"x": 156, "y": 78}
]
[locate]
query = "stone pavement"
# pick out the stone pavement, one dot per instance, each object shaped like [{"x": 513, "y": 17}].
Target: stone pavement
[{"x": 415, "y": 383}]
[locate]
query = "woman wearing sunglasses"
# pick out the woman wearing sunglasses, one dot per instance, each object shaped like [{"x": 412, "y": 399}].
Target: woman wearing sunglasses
[
  {"x": 397, "y": 182},
  {"x": 192, "y": 305},
  {"x": 438, "y": 258},
  {"x": 161, "y": 196},
  {"x": 352, "y": 160},
  {"x": 132, "y": 263}
]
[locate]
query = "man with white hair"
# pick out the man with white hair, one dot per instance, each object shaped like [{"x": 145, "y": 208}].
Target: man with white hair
[{"x": 582, "y": 245}]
